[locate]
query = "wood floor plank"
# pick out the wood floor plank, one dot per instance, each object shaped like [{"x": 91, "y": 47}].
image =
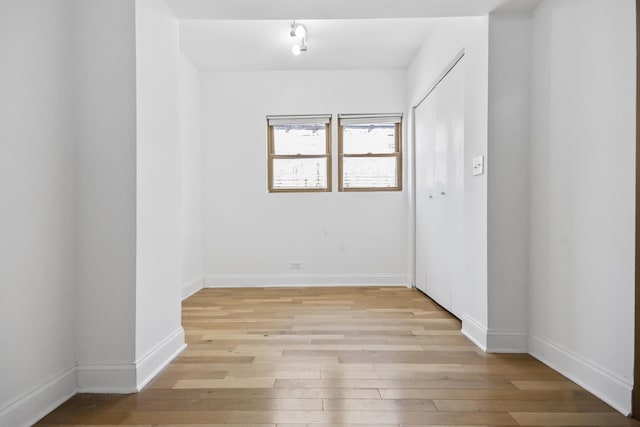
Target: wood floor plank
[
  {"x": 338, "y": 357},
  {"x": 556, "y": 405},
  {"x": 572, "y": 419},
  {"x": 336, "y": 425},
  {"x": 363, "y": 375},
  {"x": 255, "y": 382},
  {"x": 395, "y": 384},
  {"x": 227, "y": 404},
  {"x": 315, "y": 417},
  {"x": 481, "y": 394},
  {"x": 546, "y": 385},
  {"x": 377, "y": 405}
]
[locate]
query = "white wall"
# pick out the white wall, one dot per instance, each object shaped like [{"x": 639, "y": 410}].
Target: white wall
[
  {"x": 252, "y": 236},
  {"x": 37, "y": 214},
  {"x": 159, "y": 334},
  {"x": 508, "y": 181},
  {"x": 192, "y": 225},
  {"x": 446, "y": 39},
  {"x": 105, "y": 190},
  {"x": 582, "y": 193},
  {"x": 68, "y": 167}
]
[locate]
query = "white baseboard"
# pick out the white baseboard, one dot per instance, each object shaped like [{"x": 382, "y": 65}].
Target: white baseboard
[
  {"x": 149, "y": 365},
  {"x": 125, "y": 378},
  {"x": 85, "y": 378},
  {"x": 302, "y": 280},
  {"x": 475, "y": 331},
  {"x": 507, "y": 341},
  {"x": 114, "y": 378},
  {"x": 494, "y": 340},
  {"x": 605, "y": 385},
  {"x": 34, "y": 405},
  {"x": 192, "y": 286}
]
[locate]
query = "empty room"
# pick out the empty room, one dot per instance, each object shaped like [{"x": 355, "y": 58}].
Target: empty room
[{"x": 287, "y": 213}]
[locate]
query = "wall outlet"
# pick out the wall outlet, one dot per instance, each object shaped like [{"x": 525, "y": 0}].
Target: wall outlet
[
  {"x": 478, "y": 165},
  {"x": 295, "y": 266}
]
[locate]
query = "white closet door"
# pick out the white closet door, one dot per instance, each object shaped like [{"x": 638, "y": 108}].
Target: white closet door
[
  {"x": 439, "y": 144},
  {"x": 424, "y": 122}
]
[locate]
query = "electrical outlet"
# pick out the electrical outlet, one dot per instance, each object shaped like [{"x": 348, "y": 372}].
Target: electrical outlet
[
  {"x": 478, "y": 165},
  {"x": 295, "y": 266}
]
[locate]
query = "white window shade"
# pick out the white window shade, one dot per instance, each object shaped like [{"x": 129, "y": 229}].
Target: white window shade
[
  {"x": 311, "y": 120},
  {"x": 367, "y": 119}
]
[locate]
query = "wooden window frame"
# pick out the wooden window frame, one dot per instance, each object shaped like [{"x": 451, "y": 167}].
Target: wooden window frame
[
  {"x": 271, "y": 156},
  {"x": 397, "y": 154}
]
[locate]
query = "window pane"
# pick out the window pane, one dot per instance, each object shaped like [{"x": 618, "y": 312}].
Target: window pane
[
  {"x": 300, "y": 139},
  {"x": 369, "y": 172},
  {"x": 300, "y": 173},
  {"x": 366, "y": 139}
]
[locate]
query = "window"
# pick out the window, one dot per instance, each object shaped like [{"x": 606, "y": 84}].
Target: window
[
  {"x": 370, "y": 157},
  {"x": 299, "y": 150}
]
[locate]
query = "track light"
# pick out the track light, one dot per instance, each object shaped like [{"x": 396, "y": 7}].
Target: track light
[
  {"x": 298, "y": 31},
  {"x": 296, "y": 49}
]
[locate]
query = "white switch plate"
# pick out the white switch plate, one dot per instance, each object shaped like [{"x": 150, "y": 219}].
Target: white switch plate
[{"x": 478, "y": 165}]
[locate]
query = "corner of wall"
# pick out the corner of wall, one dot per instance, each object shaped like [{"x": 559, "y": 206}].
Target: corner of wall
[
  {"x": 192, "y": 286},
  {"x": 475, "y": 331},
  {"x": 156, "y": 359},
  {"x": 125, "y": 378},
  {"x": 494, "y": 340},
  {"x": 117, "y": 378},
  {"x": 28, "y": 409},
  {"x": 507, "y": 341}
]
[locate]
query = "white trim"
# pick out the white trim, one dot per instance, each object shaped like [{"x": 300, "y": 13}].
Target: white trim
[
  {"x": 192, "y": 286},
  {"x": 441, "y": 77},
  {"x": 154, "y": 361},
  {"x": 303, "y": 119},
  {"x": 302, "y": 280},
  {"x": 124, "y": 378},
  {"x": 507, "y": 341},
  {"x": 494, "y": 340},
  {"x": 475, "y": 331},
  {"x": 28, "y": 409},
  {"x": 368, "y": 119},
  {"x": 115, "y": 378},
  {"x": 611, "y": 388}
]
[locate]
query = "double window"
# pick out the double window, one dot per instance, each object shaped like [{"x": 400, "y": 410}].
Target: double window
[{"x": 369, "y": 153}]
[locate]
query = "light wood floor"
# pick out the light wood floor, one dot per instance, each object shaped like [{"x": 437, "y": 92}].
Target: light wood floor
[{"x": 376, "y": 357}]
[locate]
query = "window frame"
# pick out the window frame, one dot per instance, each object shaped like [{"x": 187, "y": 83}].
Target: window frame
[
  {"x": 271, "y": 155},
  {"x": 397, "y": 153}
]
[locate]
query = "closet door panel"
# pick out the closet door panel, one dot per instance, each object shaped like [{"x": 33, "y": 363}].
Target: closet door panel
[
  {"x": 425, "y": 119},
  {"x": 454, "y": 106}
]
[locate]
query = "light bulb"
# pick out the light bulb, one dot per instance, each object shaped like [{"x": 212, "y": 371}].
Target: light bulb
[
  {"x": 295, "y": 49},
  {"x": 300, "y": 30}
]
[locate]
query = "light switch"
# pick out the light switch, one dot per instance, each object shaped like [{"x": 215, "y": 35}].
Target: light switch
[{"x": 478, "y": 165}]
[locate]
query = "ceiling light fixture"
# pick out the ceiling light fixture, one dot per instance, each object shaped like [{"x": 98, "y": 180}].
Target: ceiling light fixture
[
  {"x": 298, "y": 31},
  {"x": 296, "y": 49}
]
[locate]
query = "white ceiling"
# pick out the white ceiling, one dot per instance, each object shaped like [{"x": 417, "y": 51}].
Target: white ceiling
[
  {"x": 332, "y": 44},
  {"x": 248, "y": 35}
]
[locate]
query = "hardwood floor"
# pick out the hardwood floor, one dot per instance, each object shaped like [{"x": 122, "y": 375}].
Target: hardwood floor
[{"x": 376, "y": 357}]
